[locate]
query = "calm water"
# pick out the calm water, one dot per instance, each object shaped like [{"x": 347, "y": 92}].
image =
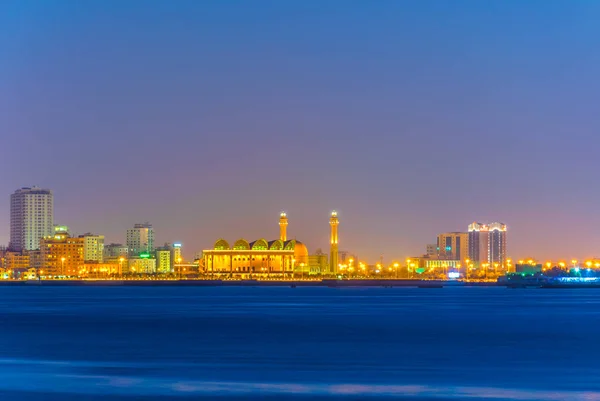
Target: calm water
[{"x": 72, "y": 343}]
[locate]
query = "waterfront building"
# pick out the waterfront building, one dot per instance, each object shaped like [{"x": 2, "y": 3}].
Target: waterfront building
[
  {"x": 25, "y": 274},
  {"x": 444, "y": 264},
  {"x": 98, "y": 269},
  {"x": 276, "y": 257},
  {"x": 497, "y": 244},
  {"x": 333, "y": 253},
  {"x": 143, "y": 264},
  {"x": 318, "y": 263},
  {"x": 115, "y": 251},
  {"x": 453, "y": 245},
  {"x": 93, "y": 248},
  {"x": 432, "y": 250},
  {"x": 140, "y": 239},
  {"x": 487, "y": 243},
  {"x": 176, "y": 257},
  {"x": 61, "y": 255},
  {"x": 417, "y": 262},
  {"x": 163, "y": 260},
  {"x": 31, "y": 218},
  {"x": 15, "y": 260},
  {"x": 528, "y": 268},
  {"x": 478, "y": 243},
  {"x": 35, "y": 258}
]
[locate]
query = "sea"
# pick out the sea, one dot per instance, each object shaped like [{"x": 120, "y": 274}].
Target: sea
[{"x": 304, "y": 343}]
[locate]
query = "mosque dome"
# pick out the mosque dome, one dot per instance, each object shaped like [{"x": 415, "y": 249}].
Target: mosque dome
[{"x": 300, "y": 253}]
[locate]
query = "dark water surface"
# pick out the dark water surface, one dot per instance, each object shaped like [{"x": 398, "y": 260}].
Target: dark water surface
[{"x": 234, "y": 343}]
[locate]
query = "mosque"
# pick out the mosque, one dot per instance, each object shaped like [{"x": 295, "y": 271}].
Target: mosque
[{"x": 280, "y": 257}]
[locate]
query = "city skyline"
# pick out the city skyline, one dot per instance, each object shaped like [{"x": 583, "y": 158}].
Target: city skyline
[
  {"x": 394, "y": 114},
  {"x": 455, "y": 245}
]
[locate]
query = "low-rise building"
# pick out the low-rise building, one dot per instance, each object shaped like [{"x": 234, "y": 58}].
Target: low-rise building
[
  {"x": 444, "y": 264},
  {"x": 95, "y": 269},
  {"x": 16, "y": 260},
  {"x": 115, "y": 251},
  {"x": 163, "y": 260},
  {"x": 528, "y": 268},
  {"x": 93, "y": 247},
  {"x": 35, "y": 258},
  {"x": 61, "y": 255},
  {"x": 143, "y": 264},
  {"x": 318, "y": 263}
]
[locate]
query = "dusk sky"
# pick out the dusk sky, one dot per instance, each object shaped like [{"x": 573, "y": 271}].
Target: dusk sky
[{"x": 207, "y": 118}]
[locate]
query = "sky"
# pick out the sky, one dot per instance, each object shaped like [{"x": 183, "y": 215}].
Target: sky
[{"x": 208, "y": 118}]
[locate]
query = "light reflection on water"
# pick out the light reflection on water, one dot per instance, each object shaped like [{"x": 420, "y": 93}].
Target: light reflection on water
[{"x": 454, "y": 343}]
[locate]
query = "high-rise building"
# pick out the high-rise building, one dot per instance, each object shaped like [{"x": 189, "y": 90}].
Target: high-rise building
[
  {"x": 453, "y": 246},
  {"x": 93, "y": 248},
  {"x": 140, "y": 239},
  {"x": 333, "y": 254},
  {"x": 478, "y": 242},
  {"x": 487, "y": 243},
  {"x": 431, "y": 250},
  {"x": 31, "y": 218},
  {"x": 497, "y": 244},
  {"x": 61, "y": 255}
]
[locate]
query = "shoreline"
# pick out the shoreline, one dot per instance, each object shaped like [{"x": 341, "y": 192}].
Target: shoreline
[{"x": 332, "y": 283}]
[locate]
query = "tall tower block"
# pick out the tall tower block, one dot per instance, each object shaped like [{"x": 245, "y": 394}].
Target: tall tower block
[
  {"x": 283, "y": 222},
  {"x": 333, "y": 257}
]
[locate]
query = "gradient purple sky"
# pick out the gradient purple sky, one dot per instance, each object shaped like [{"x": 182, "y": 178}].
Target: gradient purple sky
[{"x": 207, "y": 118}]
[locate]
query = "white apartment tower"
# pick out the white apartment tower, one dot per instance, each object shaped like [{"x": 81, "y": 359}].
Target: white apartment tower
[
  {"x": 31, "y": 218},
  {"x": 140, "y": 239}
]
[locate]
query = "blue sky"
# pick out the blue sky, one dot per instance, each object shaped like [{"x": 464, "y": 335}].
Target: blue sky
[{"x": 207, "y": 118}]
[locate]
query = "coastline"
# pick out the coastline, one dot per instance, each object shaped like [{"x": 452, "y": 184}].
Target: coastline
[{"x": 386, "y": 283}]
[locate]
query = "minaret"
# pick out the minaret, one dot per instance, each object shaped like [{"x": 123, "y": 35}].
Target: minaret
[
  {"x": 283, "y": 222},
  {"x": 333, "y": 257}
]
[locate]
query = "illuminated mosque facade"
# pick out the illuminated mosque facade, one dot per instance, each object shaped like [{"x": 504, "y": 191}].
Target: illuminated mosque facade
[{"x": 279, "y": 257}]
